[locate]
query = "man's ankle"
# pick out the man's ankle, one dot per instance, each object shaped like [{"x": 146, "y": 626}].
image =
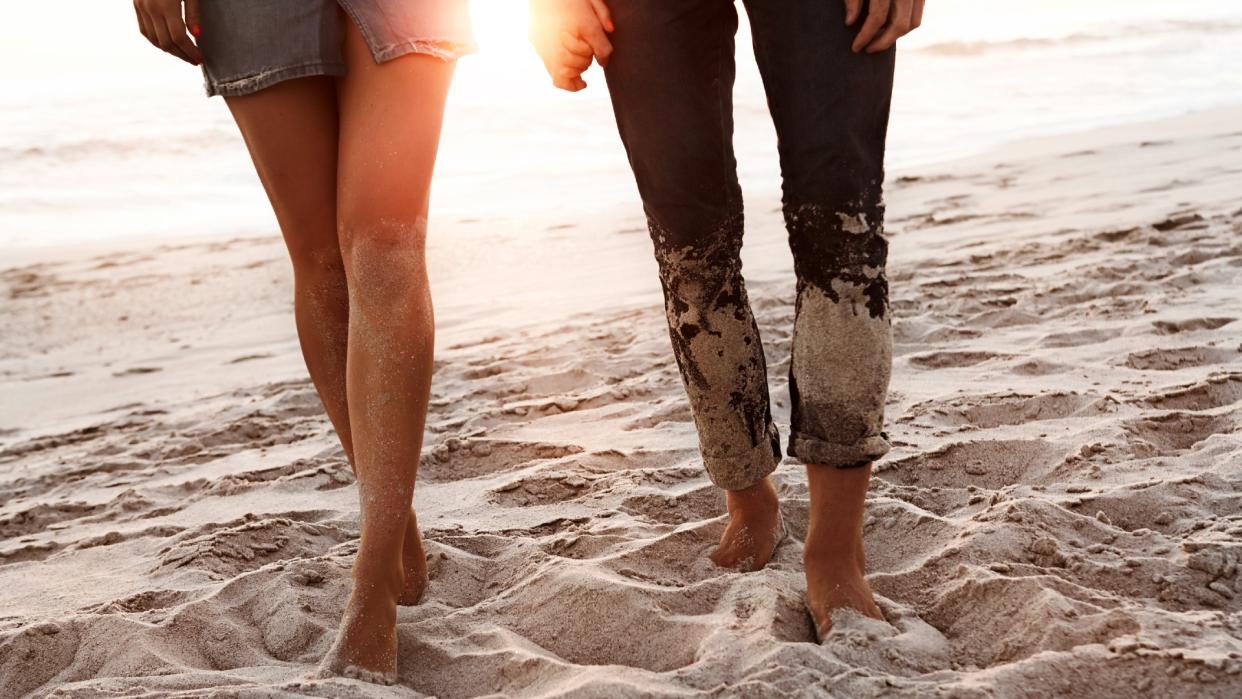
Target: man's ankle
[
  {"x": 762, "y": 492},
  {"x": 832, "y": 549}
]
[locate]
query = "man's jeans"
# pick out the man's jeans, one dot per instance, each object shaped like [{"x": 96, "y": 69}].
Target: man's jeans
[{"x": 671, "y": 79}]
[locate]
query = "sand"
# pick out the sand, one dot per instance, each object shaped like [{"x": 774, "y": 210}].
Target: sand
[{"x": 1060, "y": 514}]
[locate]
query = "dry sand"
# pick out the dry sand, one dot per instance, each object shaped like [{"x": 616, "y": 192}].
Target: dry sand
[{"x": 1060, "y": 516}]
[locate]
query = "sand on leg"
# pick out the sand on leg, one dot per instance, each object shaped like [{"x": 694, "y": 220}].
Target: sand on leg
[
  {"x": 390, "y": 118},
  {"x": 296, "y": 160}
]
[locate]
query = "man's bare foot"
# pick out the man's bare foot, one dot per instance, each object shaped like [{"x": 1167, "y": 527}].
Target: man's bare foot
[
  {"x": 366, "y": 642},
  {"x": 755, "y": 528},
  {"x": 836, "y": 581},
  {"x": 834, "y": 556},
  {"x": 414, "y": 564}
]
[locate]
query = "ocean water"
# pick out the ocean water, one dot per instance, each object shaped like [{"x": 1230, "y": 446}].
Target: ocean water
[{"x": 102, "y": 137}]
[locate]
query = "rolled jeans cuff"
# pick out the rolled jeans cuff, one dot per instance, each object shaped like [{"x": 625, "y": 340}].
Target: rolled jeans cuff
[
  {"x": 738, "y": 472},
  {"x": 810, "y": 450}
]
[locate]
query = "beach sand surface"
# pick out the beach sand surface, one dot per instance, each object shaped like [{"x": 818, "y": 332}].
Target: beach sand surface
[{"x": 1060, "y": 515}]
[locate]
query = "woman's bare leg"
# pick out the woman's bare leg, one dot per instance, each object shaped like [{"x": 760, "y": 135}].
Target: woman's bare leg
[
  {"x": 390, "y": 116},
  {"x": 291, "y": 130}
]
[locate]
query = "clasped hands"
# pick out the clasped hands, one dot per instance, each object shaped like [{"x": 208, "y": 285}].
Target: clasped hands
[{"x": 569, "y": 34}]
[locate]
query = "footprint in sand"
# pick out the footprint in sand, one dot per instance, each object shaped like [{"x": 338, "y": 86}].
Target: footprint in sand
[
  {"x": 145, "y": 601},
  {"x": 995, "y": 410},
  {"x": 1079, "y": 338},
  {"x": 1214, "y": 392},
  {"x": 1175, "y": 432},
  {"x": 138, "y": 370},
  {"x": 43, "y": 516},
  {"x": 54, "y": 644},
  {"x": 588, "y": 617},
  {"x": 952, "y": 359},
  {"x": 668, "y": 506},
  {"x": 227, "y": 549},
  {"x": 546, "y": 488},
  {"x": 987, "y": 618},
  {"x": 250, "y": 357},
  {"x": 1167, "y": 327},
  {"x": 458, "y": 458},
  {"x": 990, "y": 464},
  {"x": 1179, "y": 358}
]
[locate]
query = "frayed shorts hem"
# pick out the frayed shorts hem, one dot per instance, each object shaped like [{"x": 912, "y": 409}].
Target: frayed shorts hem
[
  {"x": 444, "y": 49},
  {"x": 250, "y": 84},
  {"x": 810, "y": 450}
]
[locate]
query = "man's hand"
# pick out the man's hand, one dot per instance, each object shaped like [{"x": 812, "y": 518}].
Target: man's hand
[
  {"x": 164, "y": 26},
  {"x": 887, "y": 20},
  {"x": 567, "y": 35}
]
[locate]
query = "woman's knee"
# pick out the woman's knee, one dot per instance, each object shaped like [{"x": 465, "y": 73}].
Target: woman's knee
[
  {"x": 384, "y": 259},
  {"x": 317, "y": 261}
]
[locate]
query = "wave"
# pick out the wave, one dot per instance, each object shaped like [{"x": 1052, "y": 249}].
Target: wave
[
  {"x": 974, "y": 48},
  {"x": 86, "y": 149}
]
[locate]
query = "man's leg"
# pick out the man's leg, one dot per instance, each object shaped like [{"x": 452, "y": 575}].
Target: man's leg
[
  {"x": 831, "y": 107},
  {"x": 671, "y": 77}
]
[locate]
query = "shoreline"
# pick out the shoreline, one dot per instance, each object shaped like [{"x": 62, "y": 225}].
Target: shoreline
[
  {"x": 1021, "y": 147},
  {"x": 25, "y": 254}
]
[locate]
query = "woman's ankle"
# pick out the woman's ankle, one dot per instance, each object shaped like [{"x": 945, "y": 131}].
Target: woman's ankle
[{"x": 380, "y": 573}]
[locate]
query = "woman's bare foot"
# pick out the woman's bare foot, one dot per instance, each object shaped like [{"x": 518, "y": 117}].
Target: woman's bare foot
[
  {"x": 366, "y": 642},
  {"x": 834, "y": 556},
  {"x": 755, "y": 528},
  {"x": 414, "y": 564}
]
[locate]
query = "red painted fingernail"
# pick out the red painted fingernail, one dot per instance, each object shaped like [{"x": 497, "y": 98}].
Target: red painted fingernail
[
  {"x": 195, "y": 30},
  {"x": 610, "y": 26}
]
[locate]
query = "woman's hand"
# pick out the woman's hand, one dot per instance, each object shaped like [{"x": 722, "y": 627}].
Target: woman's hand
[
  {"x": 163, "y": 25},
  {"x": 567, "y": 35},
  {"x": 895, "y": 17}
]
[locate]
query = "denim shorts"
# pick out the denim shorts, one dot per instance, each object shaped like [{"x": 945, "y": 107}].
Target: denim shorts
[{"x": 248, "y": 45}]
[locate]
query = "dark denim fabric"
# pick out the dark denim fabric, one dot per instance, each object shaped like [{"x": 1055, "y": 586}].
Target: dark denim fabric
[{"x": 671, "y": 79}]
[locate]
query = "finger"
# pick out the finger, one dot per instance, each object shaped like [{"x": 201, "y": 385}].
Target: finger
[
  {"x": 875, "y": 21},
  {"x": 186, "y": 48},
  {"x": 916, "y": 17},
  {"x": 568, "y": 74},
  {"x": 851, "y": 11},
  {"x": 575, "y": 45},
  {"x": 569, "y": 84},
  {"x": 193, "y": 20},
  {"x": 554, "y": 72},
  {"x": 602, "y": 12},
  {"x": 162, "y": 39},
  {"x": 600, "y": 45},
  {"x": 166, "y": 40},
  {"x": 573, "y": 60},
  {"x": 898, "y": 25},
  {"x": 144, "y": 26}
]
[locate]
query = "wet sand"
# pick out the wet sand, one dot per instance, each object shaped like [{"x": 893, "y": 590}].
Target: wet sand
[{"x": 1060, "y": 514}]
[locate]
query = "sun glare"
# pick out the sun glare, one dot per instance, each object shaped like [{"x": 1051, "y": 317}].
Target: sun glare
[
  {"x": 500, "y": 25},
  {"x": 506, "y": 69}
]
